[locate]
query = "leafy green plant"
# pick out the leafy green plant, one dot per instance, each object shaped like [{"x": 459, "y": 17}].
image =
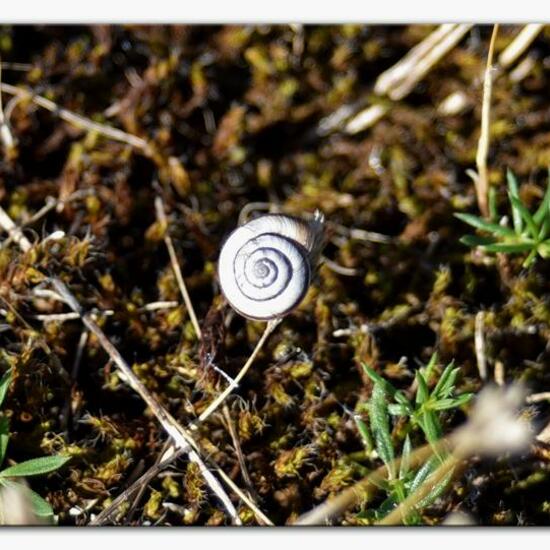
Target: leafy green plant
[
  {"x": 530, "y": 232},
  {"x": 36, "y": 466},
  {"x": 422, "y": 413}
]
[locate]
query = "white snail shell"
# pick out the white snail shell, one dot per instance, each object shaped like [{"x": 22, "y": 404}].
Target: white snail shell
[{"x": 265, "y": 266}]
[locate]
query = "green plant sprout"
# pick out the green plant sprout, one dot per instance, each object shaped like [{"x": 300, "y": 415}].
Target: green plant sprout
[
  {"x": 424, "y": 413},
  {"x": 530, "y": 232},
  {"x": 33, "y": 467}
]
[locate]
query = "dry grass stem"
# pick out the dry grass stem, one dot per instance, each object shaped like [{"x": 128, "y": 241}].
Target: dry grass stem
[
  {"x": 522, "y": 70},
  {"x": 425, "y": 63},
  {"x": 397, "y": 73},
  {"x": 479, "y": 340},
  {"x": 238, "y": 450},
  {"x": 366, "y": 118},
  {"x": 5, "y": 133},
  {"x": 14, "y": 232},
  {"x": 482, "y": 180},
  {"x": 77, "y": 120},
  {"x": 519, "y": 45},
  {"x": 538, "y": 397},
  {"x": 499, "y": 373},
  {"x": 161, "y": 217}
]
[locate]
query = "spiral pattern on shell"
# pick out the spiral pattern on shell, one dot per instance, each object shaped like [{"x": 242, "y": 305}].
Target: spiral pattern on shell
[{"x": 265, "y": 266}]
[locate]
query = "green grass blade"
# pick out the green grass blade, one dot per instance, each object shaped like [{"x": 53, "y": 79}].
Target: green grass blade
[
  {"x": 544, "y": 228},
  {"x": 422, "y": 392},
  {"x": 39, "y": 506},
  {"x": 429, "y": 466},
  {"x": 543, "y": 211},
  {"x": 396, "y": 409},
  {"x": 5, "y": 382},
  {"x": 475, "y": 240},
  {"x": 509, "y": 248},
  {"x": 380, "y": 425},
  {"x": 365, "y": 434},
  {"x": 514, "y": 191},
  {"x": 35, "y": 466},
  {"x": 493, "y": 212},
  {"x": 405, "y": 458},
  {"x": 4, "y": 437},
  {"x": 452, "y": 402},
  {"x": 485, "y": 225},
  {"x": 436, "y": 491},
  {"x": 429, "y": 369},
  {"x": 446, "y": 381},
  {"x": 544, "y": 249},
  {"x": 525, "y": 214},
  {"x": 531, "y": 258},
  {"x": 377, "y": 379}
]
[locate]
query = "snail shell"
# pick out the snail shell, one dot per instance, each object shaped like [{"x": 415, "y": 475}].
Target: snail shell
[{"x": 265, "y": 266}]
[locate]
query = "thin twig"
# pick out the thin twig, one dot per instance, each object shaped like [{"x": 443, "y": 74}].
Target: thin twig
[
  {"x": 82, "y": 341},
  {"x": 161, "y": 217},
  {"x": 482, "y": 180},
  {"x": 238, "y": 449},
  {"x": 78, "y": 120},
  {"x": 271, "y": 325}
]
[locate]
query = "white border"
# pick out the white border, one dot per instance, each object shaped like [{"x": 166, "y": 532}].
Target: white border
[
  {"x": 273, "y": 11},
  {"x": 449, "y": 538}
]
